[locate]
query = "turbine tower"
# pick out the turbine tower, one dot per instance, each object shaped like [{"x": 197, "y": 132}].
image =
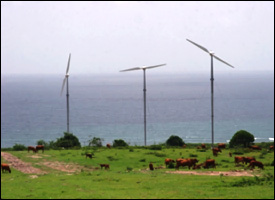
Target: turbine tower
[
  {"x": 212, "y": 84},
  {"x": 66, "y": 80},
  {"x": 144, "y": 90}
]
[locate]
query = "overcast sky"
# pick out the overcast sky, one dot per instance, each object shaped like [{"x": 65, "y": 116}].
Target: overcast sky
[{"x": 105, "y": 37}]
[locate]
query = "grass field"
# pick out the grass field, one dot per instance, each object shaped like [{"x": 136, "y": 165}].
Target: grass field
[{"x": 129, "y": 176}]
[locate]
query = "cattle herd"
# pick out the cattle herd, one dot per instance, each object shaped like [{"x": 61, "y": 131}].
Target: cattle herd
[
  {"x": 192, "y": 162},
  {"x": 180, "y": 162}
]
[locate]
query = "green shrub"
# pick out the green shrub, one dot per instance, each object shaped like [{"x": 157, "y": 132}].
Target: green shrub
[
  {"x": 155, "y": 147},
  {"x": 19, "y": 147},
  {"x": 174, "y": 140},
  {"x": 96, "y": 142},
  {"x": 119, "y": 143},
  {"x": 68, "y": 141},
  {"x": 241, "y": 137}
]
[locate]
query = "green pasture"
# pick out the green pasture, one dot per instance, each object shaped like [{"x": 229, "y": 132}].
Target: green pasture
[{"x": 129, "y": 176}]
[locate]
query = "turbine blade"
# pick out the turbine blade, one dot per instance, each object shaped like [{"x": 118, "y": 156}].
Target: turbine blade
[
  {"x": 222, "y": 61},
  {"x": 63, "y": 85},
  {"x": 68, "y": 66},
  {"x": 150, "y": 67},
  {"x": 201, "y": 47},
  {"x": 131, "y": 69}
]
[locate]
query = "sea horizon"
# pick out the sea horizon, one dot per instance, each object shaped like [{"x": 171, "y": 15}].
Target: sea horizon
[{"x": 110, "y": 107}]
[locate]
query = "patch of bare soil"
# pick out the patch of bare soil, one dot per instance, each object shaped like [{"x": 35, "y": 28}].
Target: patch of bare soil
[
  {"x": 28, "y": 169},
  {"x": 18, "y": 164},
  {"x": 65, "y": 167},
  {"x": 214, "y": 173}
]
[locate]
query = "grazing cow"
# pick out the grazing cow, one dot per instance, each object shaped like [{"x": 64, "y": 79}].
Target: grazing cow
[
  {"x": 209, "y": 163},
  {"x": 197, "y": 166},
  {"x": 168, "y": 161},
  {"x": 221, "y": 145},
  {"x": 255, "y": 147},
  {"x": 108, "y": 145},
  {"x": 32, "y": 149},
  {"x": 151, "y": 167},
  {"x": 230, "y": 154},
  {"x": 5, "y": 167},
  {"x": 215, "y": 151},
  {"x": 254, "y": 163},
  {"x": 271, "y": 148},
  {"x": 106, "y": 166},
  {"x": 40, "y": 147},
  {"x": 203, "y": 146},
  {"x": 239, "y": 159},
  {"x": 89, "y": 155},
  {"x": 248, "y": 159},
  {"x": 186, "y": 162}
]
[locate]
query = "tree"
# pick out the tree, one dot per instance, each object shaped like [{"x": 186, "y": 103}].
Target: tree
[
  {"x": 119, "y": 143},
  {"x": 174, "y": 140},
  {"x": 96, "y": 142},
  {"x": 68, "y": 141},
  {"x": 241, "y": 137}
]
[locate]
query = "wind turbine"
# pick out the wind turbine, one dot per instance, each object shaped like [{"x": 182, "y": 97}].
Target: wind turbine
[
  {"x": 144, "y": 90},
  {"x": 211, "y": 53},
  {"x": 66, "y": 80}
]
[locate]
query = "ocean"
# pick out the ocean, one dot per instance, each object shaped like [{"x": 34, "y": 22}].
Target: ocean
[{"x": 111, "y": 107}]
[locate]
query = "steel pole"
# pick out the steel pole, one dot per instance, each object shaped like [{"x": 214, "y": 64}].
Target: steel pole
[
  {"x": 144, "y": 103},
  {"x": 212, "y": 101},
  {"x": 68, "y": 104}
]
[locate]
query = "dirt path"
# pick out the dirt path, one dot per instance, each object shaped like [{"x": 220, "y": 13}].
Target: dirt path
[
  {"x": 214, "y": 173},
  {"x": 18, "y": 164},
  {"x": 28, "y": 169}
]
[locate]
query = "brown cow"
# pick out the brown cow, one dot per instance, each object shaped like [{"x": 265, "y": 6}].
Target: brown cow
[
  {"x": 215, "y": 151},
  {"x": 239, "y": 159},
  {"x": 186, "y": 162},
  {"x": 203, "y": 146},
  {"x": 271, "y": 148},
  {"x": 32, "y": 149},
  {"x": 107, "y": 166},
  {"x": 108, "y": 146},
  {"x": 221, "y": 145},
  {"x": 151, "y": 167},
  {"x": 208, "y": 163},
  {"x": 254, "y": 163},
  {"x": 40, "y": 147},
  {"x": 168, "y": 161},
  {"x": 89, "y": 155},
  {"x": 5, "y": 167},
  {"x": 197, "y": 166},
  {"x": 248, "y": 159},
  {"x": 255, "y": 147}
]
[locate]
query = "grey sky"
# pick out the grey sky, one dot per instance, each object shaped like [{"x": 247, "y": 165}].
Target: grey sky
[{"x": 105, "y": 37}]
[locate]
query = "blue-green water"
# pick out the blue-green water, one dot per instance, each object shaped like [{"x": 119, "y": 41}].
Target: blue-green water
[{"x": 111, "y": 107}]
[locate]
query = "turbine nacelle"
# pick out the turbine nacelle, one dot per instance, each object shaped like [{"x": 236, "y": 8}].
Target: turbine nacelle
[{"x": 142, "y": 68}]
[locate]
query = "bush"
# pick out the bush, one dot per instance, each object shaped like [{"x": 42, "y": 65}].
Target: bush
[
  {"x": 119, "y": 143},
  {"x": 19, "y": 147},
  {"x": 96, "y": 142},
  {"x": 241, "y": 137},
  {"x": 68, "y": 141},
  {"x": 155, "y": 147},
  {"x": 175, "y": 141}
]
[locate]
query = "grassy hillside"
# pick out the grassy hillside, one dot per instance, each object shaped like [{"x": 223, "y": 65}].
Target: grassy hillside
[{"x": 129, "y": 176}]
